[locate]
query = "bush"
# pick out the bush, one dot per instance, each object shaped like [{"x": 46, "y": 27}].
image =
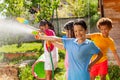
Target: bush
[
  {"x": 26, "y": 73},
  {"x": 114, "y": 72}
]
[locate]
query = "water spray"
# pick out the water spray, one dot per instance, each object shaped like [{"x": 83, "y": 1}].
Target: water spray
[{"x": 12, "y": 31}]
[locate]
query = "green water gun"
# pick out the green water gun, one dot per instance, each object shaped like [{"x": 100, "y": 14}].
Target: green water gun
[{"x": 35, "y": 32}]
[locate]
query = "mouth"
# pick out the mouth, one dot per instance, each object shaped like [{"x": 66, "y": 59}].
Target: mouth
[{"x": 79, "y": 36}]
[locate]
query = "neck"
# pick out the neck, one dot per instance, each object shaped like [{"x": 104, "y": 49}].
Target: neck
[
  {"x": 105, "y": 36},
  {"x": 81, "y": 40}
]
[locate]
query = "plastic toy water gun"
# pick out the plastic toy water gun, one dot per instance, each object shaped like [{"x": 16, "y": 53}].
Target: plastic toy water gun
[
  {"x": 22, "y": 20},
  {"x": 48, "y": 45},
  {"x": 35, "y": 32}
]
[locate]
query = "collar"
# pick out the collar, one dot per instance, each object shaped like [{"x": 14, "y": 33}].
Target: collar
[{"x": 85, "y": 42}]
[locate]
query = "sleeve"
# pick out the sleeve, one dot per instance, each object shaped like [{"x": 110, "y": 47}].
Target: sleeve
[
  {"x": 64, "y": 42},
  {"x": 67, "y": 42},
  {"x": 112, "y": 45},
  {"x": 94, "y": 48},
  {"x": 93, "y": 35}
]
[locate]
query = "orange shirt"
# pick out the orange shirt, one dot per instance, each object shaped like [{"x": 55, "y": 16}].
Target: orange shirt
[{"x": 104, "y": 44}]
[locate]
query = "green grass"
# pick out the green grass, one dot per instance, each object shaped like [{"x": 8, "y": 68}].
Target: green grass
[{"x": 25, "y": 47}]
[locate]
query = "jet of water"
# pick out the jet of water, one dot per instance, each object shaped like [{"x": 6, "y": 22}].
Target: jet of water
[{"x": 11, "y": 31}]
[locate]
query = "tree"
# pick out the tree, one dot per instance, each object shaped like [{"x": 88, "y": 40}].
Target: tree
[
  {"x": 78, "y": 8},
  {"x": 46, "y": 8},
  {"x": 15, "y": 8}
]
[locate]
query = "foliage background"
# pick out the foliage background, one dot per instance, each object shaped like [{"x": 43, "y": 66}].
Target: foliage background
[{"x": 47, "y": 9}]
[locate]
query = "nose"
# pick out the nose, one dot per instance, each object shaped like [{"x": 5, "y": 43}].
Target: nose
[{"x": 103, "y": 30}]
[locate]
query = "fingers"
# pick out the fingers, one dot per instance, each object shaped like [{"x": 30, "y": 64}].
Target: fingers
[
  {"x": 89, "y": 68},
  {"x": 37, "y": 37}
]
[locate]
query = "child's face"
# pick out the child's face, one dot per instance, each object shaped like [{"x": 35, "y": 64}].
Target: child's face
[
  {"x": 44, "y": 27},
  {"x": 104, "y": 29},
  {"x": 79, "y": 32}
]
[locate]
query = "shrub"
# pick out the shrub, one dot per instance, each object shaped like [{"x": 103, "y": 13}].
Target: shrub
[
  {"x": 114, "y": 72},
  {"x": 26, "y": 73}
]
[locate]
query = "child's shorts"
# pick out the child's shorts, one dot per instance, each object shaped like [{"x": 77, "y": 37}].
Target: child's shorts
[
  {"x": 99, "y": 69},
  {"x": 48, "y": 64}
]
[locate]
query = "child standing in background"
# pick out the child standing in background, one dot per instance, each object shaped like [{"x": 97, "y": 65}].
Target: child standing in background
[
  {"x": 48, "y": 29},
  {"x": 104, "y": 42},
  {"x": 69, "y": 34},
  {"x": 80, "y": 50}
]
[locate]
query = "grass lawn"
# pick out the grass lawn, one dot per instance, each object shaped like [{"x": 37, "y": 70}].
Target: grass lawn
[{"x": 25, "y": 47}]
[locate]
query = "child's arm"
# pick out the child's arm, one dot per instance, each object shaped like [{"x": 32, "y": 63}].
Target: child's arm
[
  {"x": 116, "y": 57},
  {"x": 59, "y": 45},
  {"x": 50, "y": 38},
  {"x": 99, "y": 55}
]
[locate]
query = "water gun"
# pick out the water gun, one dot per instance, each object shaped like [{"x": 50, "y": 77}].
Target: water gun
[
  {"x": 35, "y": 32},
  {"x": 22, "y": 20},
  {"x": 48, "y": 45}
]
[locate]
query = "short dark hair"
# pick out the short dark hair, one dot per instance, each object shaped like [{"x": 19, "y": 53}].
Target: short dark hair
[
  {"x": 80, "y": 22},
  {"x": 104, "y": 21}
]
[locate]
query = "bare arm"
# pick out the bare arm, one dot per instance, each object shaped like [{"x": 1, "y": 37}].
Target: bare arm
[
  {"x": 116, "y": 57},
  {"x": 59, "y": 45},
  {"x": 50, "y": 38},
  {"x": 94, "y": 61}
]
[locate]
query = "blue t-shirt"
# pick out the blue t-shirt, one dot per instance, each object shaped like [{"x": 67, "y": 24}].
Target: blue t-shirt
[{"x": 79, "y": 58}]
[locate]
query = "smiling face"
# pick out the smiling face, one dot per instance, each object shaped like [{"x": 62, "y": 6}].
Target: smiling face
[
  {"x": 104, "y": 29},
  {"x": 104, "y": 25},
  {"x": 79, "y": 32}
]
